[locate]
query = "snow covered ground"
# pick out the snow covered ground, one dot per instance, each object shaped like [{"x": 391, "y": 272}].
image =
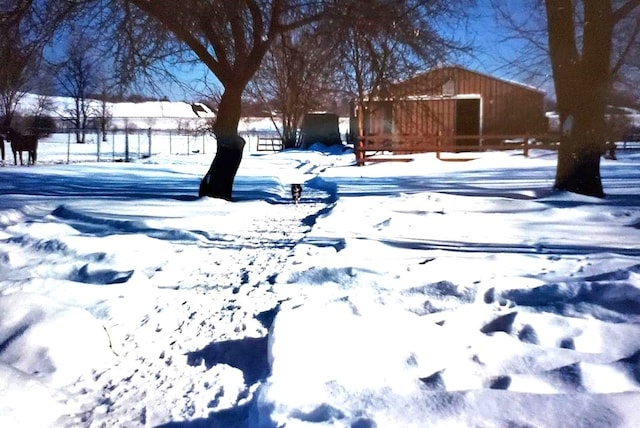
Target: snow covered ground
[{"x": 423, "y": 294}]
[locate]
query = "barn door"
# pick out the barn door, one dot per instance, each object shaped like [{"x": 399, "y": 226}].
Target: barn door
[{"x": 467, "y": 120}]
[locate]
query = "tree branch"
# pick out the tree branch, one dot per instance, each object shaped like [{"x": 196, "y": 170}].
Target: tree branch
[
  {"x": 625, "y": 10},
  {"x": 631, "y": 43},
  {"x": 167, "y": 16}
]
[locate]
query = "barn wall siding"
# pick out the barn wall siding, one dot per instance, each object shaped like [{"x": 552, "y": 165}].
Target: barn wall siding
[{"x": 426, "y": 105}]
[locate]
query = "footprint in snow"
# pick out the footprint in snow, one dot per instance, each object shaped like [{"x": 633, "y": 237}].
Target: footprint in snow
[{"x": 100, "y": 276}]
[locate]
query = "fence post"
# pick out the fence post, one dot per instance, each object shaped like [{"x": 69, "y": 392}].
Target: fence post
[
  {"x": 68, "y": 146},
  {"x": 98, "y": 145},
  {"x": 126, "y": 144},
  {"x": 359, "y": 152}
]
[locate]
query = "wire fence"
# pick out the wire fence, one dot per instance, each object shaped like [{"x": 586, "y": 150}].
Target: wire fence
[{"x": 71, "y": 145}]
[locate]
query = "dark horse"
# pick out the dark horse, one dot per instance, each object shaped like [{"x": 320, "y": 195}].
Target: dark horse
[{"x": 23, "y": 143}]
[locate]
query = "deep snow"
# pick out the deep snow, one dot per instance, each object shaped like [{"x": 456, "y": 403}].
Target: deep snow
[{"x": 428, "y": 293}]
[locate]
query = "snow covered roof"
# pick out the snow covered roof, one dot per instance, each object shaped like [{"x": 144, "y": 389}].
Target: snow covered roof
[
  {"x": 161, "y": 109},
  {"x": 460, "y": 68},
  {"x": 148, "y": 109}
]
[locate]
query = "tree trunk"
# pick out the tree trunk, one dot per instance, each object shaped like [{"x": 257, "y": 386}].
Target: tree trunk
[
  {"x": 218, "y": 181},
  {"x": 289, "y": 132},
  {"x": 578, "y": 168},
  {"x": 582, "y": 81},
  {"x": 5, "y": 127}
]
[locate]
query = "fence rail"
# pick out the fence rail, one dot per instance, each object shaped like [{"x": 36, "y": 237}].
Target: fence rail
[
  {"x": 366, "y": 147},
  {"x": 406, "y": 144},
  {"x": 269, "y": 144},
  {"x": 67, "y": 145}
]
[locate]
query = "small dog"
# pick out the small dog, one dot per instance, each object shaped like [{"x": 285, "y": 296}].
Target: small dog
[{"x": 296, "y": 192}]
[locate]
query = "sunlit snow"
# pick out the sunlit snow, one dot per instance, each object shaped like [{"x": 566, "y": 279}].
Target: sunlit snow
[{"x": 431, "y": 293}]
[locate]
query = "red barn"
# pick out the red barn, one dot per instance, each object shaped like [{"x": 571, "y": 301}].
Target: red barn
[{"x": 453, "y": 101}]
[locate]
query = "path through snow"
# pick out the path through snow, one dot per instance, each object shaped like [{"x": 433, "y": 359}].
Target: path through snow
[
  {"x": 166, "y": 322},
  {"x": 218, "y": 314}
]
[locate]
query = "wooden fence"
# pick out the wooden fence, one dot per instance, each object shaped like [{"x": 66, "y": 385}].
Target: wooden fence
[{"x": 370, "y": 145}]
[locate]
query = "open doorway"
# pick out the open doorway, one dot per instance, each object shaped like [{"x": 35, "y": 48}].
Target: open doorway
[{"x": 467, "y": 120}]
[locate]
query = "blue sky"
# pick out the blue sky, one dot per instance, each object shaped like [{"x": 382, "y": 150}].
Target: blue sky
[
  {"x": 495, "y": 46},
  {"x": 484, "y": 32},
  {"x": 490, "y": 56}
]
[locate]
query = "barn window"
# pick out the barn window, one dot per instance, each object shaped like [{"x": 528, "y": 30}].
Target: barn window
[{"x": 448, "y": 89}]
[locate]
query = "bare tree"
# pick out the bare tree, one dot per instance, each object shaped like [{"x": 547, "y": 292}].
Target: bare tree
[
  {"x": 19, "y": 53},
  {"x": 77, "y": 77},
  {"x": 589, "y": 47},
  {"x": 104, "y": 112},
  {"x": 581, "y": 37},
  {"x": 23, "y": 34},
  {"x": 382, "y": 41},
  {"x": 626, "y": 56},
  {"x": 26, "y": 26},
  {"x": 13, "y": 78},
  {"x": 521, "y": 27},
  {"x": 379, "y": 41},
  {"x": 297, "y": 76},
  {"x": 44, "y": 105},
  {"x": 230, "y": 38},
  {"x": 41, "y": 122}
]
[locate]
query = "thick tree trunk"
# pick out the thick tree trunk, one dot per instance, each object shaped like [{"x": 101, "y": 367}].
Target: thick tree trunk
[
  {"x": 582, "y": 81},
  {"x": 578, "y": 168},
  {"x": 218, "y": 181}
]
